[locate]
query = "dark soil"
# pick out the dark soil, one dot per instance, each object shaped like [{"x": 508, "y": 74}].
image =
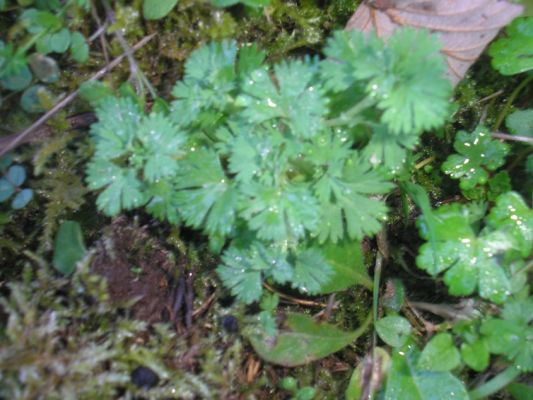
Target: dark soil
[{"x": 135, "y": 266}]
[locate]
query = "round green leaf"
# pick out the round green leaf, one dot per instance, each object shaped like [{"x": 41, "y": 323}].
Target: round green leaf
[
  {"x": 21, "y": 199},
  {"x": 440, "y": 354},
  {"x": 69, "y": 247},
  {"x": 17, "y": 81},
  {"x": 79, "y": 50},
  {"x": 6, "y": 161},
  {"x": 36, "y": 99},
  {"x": 60, "y": 41},
  {"x": 476, "y": 355},
  {"x": 16, "y": 175},
  {"x": 520, "y": 122},
  {"x": 512, "y": 54},
  {"x": 393, "y": 330},
  {"x": 156, "y": 9},
  {"x": 6, "y": 189},
  {"x": 44, "y": 68}
]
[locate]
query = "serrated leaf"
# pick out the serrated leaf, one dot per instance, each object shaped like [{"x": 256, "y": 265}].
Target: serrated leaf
[
  {"x": 297, "y": 99},
  {"x": 439, "y": 354},
  {"x": 22, "y": 199},
  {"x": 240, "y": 272},
  {"x": 157, "y": 9},
  {"x": 302, "y": 342},
  {"x": 387, "y": 149},
  {"x": 68, "y": 248},
  {"x": 393, "y": 330},
  {"x": 412, "y": 100},
  {"x": 347, "y": 265},
  {"x": 513, "y": 54},
  {"x": 209, "y": 79},
  {"x": 311, "y": 271},
  {"x": 122, "y": 188},
  {"x": 344, "y": 204},
  {"x": 478, "y": 153},
  {"x": 406, "y": 381},
  {"x": 279, "y": 214},
  {"x": 118, "y": 121},
  {"x": 163, "y": 145},
  {"x": 205, "y": 196},
  {"x": 250, "y": 59}
]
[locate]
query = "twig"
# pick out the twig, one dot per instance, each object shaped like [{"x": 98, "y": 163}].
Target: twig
[
  {"x": 425, "y": 162},
  {"x": 510, "y": 100},
  {"x": 515, "y": 138},
  {"x": 135, "y": 71},
  {"x": 294, "y": 299},
  {"x": 204, "y": 306},
  {"x": 490, "y": 96},
  {"x": 67, "y": 100}
]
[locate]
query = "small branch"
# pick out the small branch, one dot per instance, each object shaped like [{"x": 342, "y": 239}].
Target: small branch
[
  {"x": 509, "y": 102},
  {"x": 294, "y": 299},
  {"x": 425, "y": 162},
  {"x": 495, "y": 384},
  {"x": 135, "y": 71},
  {"x": 514, "y": 138},
  {"x": 67, "y": 100},
  {"x": 350, "y": 115}
]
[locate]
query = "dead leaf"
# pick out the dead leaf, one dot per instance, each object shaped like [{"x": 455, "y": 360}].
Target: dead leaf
[{"x": 464, "y": 27}]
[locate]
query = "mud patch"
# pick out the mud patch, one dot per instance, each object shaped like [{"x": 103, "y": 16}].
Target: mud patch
[{"x": 135, "y": 266}]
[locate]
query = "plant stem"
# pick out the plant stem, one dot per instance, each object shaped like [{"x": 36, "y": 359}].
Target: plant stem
[
  {"x": 495, "y": 384},
  {"x": 509, "y": 102},
  {"x": 67, "y": 100},
  {"x": 515, "y": 138},
  {"x": 350, "y": 115},
  {"x": 135, "y": 71}
]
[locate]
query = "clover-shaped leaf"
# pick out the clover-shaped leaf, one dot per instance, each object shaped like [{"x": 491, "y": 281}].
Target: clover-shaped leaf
[
  {"x": 470, "y": 261},
  {"x": 512, "y": 336},
  {"x": 514, "y": 53},
  {"x": 478, "y": 154}
]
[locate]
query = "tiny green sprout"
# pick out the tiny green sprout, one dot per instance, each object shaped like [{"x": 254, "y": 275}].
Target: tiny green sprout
[{"x": 12, "y": 178}]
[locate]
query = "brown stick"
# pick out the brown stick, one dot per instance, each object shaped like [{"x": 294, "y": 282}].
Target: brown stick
[{"x": 19, "y": 137}]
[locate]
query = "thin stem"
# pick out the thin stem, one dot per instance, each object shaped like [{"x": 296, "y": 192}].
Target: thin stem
[
  {"x": 136, "y": 72},
  {"x": 349, "y": 116},
  {"x": 375, "y": 292},
  {"x": 495, "y": 384},
  {"x": 425, "y": 162},
  {"x": 515, "y": 138},
  {"x": 67, "y": 100},
  {"x": 509, "y": 102}
]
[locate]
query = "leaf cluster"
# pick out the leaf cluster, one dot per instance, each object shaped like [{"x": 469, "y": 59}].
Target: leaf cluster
[
  {"x": 44, "y": 29},
  {"x": 261, "y": 154},
  {"x": 479, "y": 255},
  {"x": 13, "y": 177}
]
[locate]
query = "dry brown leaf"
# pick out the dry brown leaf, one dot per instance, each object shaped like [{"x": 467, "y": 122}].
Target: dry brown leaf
[{"x": 464, "y": 27}]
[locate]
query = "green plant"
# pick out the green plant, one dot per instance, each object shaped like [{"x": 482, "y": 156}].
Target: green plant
[
  {"x": 512, "y": 54},
  {"x": 13, "y": 177},
  {"x": 263, "y": 155},
  {"x": 41, "y": 30}
]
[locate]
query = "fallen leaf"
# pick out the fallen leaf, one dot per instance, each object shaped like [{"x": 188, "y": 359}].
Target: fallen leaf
[{"x": 464, "y": 27}]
